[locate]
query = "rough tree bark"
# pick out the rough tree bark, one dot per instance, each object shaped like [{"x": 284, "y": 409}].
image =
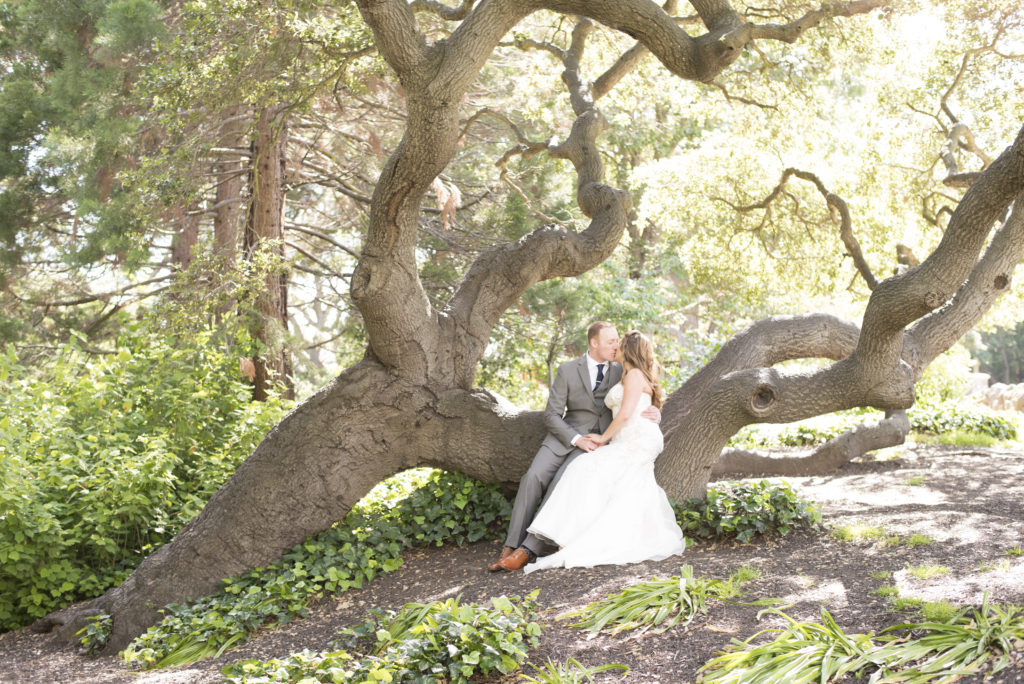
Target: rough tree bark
[
  {"x": 410, "y": 402},
  {"x": 264, "y": 232}
]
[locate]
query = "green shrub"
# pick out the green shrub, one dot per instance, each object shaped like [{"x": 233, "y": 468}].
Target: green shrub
[
  {"x": 392, "y": 517},
  {"x": 954, "y": 417},
  {"x": 103, "y": 459},
  {"x": 744, "y": 510},
  {"x": 423, "y": 643},
  {"x": 969, "y": 423}
]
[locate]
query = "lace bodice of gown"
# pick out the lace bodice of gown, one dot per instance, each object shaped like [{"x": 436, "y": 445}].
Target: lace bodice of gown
[{"x": 645, "y": 433}]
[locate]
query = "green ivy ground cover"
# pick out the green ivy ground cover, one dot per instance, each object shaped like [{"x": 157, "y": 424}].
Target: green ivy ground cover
[
  {"x": 397, "y": 515},
  {"x": 423, "y": 507},
  {"x": 424, "y": 643}
]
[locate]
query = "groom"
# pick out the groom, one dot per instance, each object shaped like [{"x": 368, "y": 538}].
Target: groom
[{"x": 575, "y": 408}]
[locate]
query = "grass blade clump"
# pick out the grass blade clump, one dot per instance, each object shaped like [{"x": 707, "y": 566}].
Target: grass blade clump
[
  {"x": 660, "y": 604},
  {"x": 571, "y": 672},
  {"x": 914, "y": 653},
  {"x": 803, "y": 652},
  {"x": 956, "y": 646}
]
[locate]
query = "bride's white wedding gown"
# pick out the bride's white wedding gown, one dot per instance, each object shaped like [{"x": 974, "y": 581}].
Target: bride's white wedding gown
[{"x": 607, "y": 508}]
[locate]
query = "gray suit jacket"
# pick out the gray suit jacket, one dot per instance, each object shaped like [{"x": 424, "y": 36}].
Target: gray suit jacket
[{"x": 573, "y": 409}]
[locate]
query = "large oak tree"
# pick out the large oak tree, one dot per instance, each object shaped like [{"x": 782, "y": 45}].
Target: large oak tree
[{"x": 411, "y": 401}]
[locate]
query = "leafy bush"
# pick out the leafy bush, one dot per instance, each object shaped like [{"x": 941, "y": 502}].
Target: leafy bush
[
  {"x": 815, "y": 430},
  {"x": 103, "y": 459},
  {"x": 423, "y": 643},
  {"x": 744, "y": 510},
  {"x": 936, "y": 419},
  {"x": 396, "y": 515},
  {"x": 951, "y": 416}
]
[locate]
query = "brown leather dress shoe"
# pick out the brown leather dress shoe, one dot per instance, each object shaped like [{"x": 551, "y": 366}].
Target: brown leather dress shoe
[
  {"x": 505, "y": 552},
  {"x": 515, "y": 560}
]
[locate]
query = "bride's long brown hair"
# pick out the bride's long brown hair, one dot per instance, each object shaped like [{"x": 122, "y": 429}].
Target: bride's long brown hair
[{"x": 638, "y": 351}]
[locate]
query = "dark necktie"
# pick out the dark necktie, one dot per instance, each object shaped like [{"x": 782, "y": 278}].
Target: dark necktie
[{"x": 600, "y": 376}]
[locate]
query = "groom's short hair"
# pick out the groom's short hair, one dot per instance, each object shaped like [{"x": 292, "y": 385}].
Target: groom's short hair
[{"x": 595, "y": 329}]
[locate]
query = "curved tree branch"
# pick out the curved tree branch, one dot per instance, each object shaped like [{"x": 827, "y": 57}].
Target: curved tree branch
[
  {"x": 902, "y": 299},
  {"x": 825, "y": 458},
  {"x": 989, "y": 279},
  {"x": 763, "y": 343},
  {"x": 838, "y": 208}
]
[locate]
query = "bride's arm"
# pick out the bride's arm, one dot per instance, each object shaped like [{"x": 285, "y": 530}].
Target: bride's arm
[{"x": 633, "y": 385}]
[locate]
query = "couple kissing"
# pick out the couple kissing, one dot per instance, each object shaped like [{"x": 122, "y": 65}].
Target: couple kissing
[{"x": 593, "y": 475}]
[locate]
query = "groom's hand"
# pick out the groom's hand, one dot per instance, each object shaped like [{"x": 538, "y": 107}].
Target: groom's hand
[
  {"x": 652, "y": 414},
  {"x": 587, "y": 443}
]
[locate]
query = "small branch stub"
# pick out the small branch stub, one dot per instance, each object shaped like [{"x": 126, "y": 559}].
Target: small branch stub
[{"x": 762, "y": 399}]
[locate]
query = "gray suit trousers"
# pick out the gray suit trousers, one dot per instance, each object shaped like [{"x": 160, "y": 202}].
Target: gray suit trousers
[{"x": 539, "y": 480}]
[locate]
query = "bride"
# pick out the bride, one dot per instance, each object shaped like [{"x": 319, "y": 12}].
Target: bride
[{"x": 608, "y": 508}]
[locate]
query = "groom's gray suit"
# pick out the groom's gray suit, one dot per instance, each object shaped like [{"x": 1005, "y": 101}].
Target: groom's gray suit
[{"x": 573, "y": 408}]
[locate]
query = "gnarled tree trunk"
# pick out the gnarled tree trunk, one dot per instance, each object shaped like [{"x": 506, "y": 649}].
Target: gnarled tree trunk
[{"x": 410, "y": 402}]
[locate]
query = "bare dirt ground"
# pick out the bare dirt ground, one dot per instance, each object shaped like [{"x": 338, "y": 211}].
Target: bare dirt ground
[{"x": 969, "y": 501}]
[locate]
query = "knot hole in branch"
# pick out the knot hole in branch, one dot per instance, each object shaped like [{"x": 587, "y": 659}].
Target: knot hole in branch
[
  {"x": 762, "y": 399},
  {"x": 1001, "y": 281}
]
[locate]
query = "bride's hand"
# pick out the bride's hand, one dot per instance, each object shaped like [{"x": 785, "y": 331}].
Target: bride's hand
[{"x": 598, "y": 439}]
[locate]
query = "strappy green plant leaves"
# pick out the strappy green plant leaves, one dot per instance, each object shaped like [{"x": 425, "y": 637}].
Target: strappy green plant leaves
[
  {"x": 660, "y": 604},
  {"x": 804, "y": 652},
  {"x": 570, "y": 672},
  {"x": 959, "y": 645},
  {"x": 914, "y": 653}
]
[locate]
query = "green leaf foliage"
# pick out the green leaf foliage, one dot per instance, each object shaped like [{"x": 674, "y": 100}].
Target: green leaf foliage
[
  {"x": 932, "y": 419},
  {"x": 103, "y": 460},
  {"x": 747, "y": 509},
  {"x": 395, "y": 516},
  {"x": 443, "y": 641},
  {"x": 571, "y": 672},
  {"x": 935, "y": 650},
  {"x": 659, "y": 605}
]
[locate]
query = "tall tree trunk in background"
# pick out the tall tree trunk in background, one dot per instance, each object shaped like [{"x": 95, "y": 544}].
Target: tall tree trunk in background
[
  {"x": 264, "y": 234},
  {"x": 186, "y": 236},
  {"x": 229, "y": 171}
]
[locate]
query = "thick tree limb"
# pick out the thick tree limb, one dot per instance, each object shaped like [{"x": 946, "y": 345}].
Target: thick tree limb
[
  {"x": 879, "y": 373},
  {"x": 499, "y": 276},
  {"x": 990, "y": 278},
  {"x": 826, "y": 458},
  {"x": 763, "y": 343},
  {"x": 396, "y": 34},
  {"x": 791, "y": 32},
  {"x": 902, "y": 299}
]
